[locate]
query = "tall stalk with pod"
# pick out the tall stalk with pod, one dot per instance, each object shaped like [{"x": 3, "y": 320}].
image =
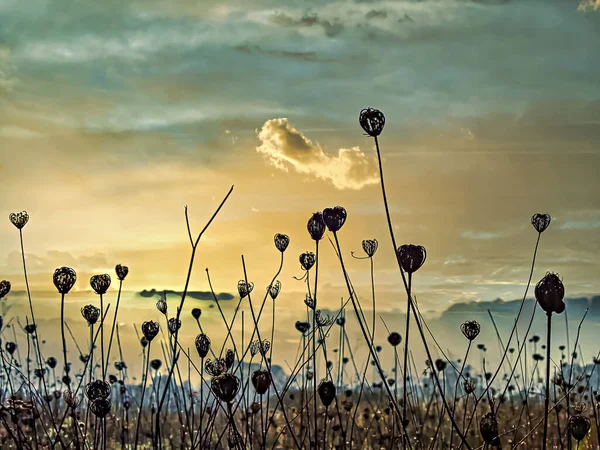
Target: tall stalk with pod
[{"x": 549, "y": 293}]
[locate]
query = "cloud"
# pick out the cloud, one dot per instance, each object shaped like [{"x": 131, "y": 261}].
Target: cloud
[
  {"x": 331, "y": 28},
  {"x": 301, "y": 56},
  {"x": 285, "y": 146},
  {"x": 481, "y": 235},
  {"x": 376, "y": 14},
  {"x": 7, "y": 69}
]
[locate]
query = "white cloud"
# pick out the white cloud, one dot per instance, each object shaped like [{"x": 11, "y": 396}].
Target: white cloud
[
  {"x": 589, "y": 5},
  {"x": 285, "y": 147},
  {"x": 7, "y": 70},
  {"x": 481, "y": 235}
]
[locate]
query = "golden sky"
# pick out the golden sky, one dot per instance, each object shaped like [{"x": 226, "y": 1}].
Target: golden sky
[{"x": 114, "y": 115}]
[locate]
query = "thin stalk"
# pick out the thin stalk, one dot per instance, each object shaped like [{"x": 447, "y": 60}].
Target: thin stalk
[
  {"x": 392, "y": 236},
  {"x": 64, "y": 340},
  {"x": 141, "y": 407},
  {"x": 112, "y": 331},
  {"x": 314, "y": 342},
  {"x": 102, "y": 336},
  {"x": 547, "y": 399}
]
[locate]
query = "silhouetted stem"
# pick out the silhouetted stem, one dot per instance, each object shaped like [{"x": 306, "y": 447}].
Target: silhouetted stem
[
  {"x": 268, "y": 364},
  {"x": 411, "y": 305},
  {"x": 64, "y": 341},
  {"x": 112, "y": 331},
  {"x": 137, "y": 427},
  {"x": 547, "y": 399}
]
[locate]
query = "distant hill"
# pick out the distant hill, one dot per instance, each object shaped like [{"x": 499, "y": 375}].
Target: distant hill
[
  {"x": 198, "y": 295},
  {"x": 575, "y": 306}
]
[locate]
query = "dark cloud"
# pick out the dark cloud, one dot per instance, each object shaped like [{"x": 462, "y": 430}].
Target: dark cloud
[
  {"x": 376, "y": 14},
  {"x": 295, "y": 55},
  {"x": 198, "y": 295},
  {"x": 331, "y": 29}
]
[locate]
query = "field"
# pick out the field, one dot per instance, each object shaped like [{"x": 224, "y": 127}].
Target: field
[{"x": 230, "y": 396}]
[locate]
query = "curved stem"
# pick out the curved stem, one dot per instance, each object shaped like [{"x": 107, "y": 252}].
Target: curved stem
[
  {"x": 392, "y": 236},
  {"x": 112, "y": 331},
  {"x": 364, "y": 331}
]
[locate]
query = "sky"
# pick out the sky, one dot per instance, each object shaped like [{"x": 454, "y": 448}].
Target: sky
[{"x": 114, "y": 115}]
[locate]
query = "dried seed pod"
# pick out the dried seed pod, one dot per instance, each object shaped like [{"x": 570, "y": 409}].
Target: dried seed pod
[
  {"x": 274, "y": 289},
  {"x": 470, "y": 329},
  {"x": 302, "y": 327},
  {"x": 580, "y": 408},
  {"x": 316, "y": 226},
  {"x": 64, "y": 279},
  {"x": 261, "y": 380},
  {"x": 202, "y": 345},
  {"x": 540, "y": 222},
  {"x": 4, "y": 288},
  {"x": 174, "y": 325},
  {"x": 19, "y": 219},
  {"x": 579, "y": 426},
  {"x": 156, "y": 364},
  {"x": 309, "y": 301},
  {"x": 100, "y": 283},
  {"x": 411, "y": 257},
  {"x": 244, "y": 288},
  {"x": 216, "y": 367},
  {"x": 469, "y": 387},
  {"x": 394, "y": 339},
  {"x": 281, "y": 242},
  {"x": 307, "y": 260},
  {"x": 440, "y": 365},
  {"x": 121, "y": 271},
  {"x": 257, "y": 347},
  {"x": 370, "y": 246},
  {"x": 196, "y": 313},
  {"x": 372, "y": 121},
  {"x": 326, "y": 391},
  {"x": 322, "y": 319},
  {"x": 229, "y": 358},
  {"x": 334, "y": 218},
  {"x": 97, "y": 389},
  {"x": 90, "y": 313},
  {"x": 225, "y": 387},
  {"x": 549, "y": 293},
  {"x": 100, "y": 407},
  {"x": 161, "y": 305},
  {"x": 488, "y": 427},
  {"x": 150, "y": 330},
  {"x": 52, "y": 362},
  {"x": 70, "y": 399}
]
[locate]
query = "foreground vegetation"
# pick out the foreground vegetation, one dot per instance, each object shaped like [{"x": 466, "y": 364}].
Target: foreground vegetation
[{"x": 328, "y": 399}]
